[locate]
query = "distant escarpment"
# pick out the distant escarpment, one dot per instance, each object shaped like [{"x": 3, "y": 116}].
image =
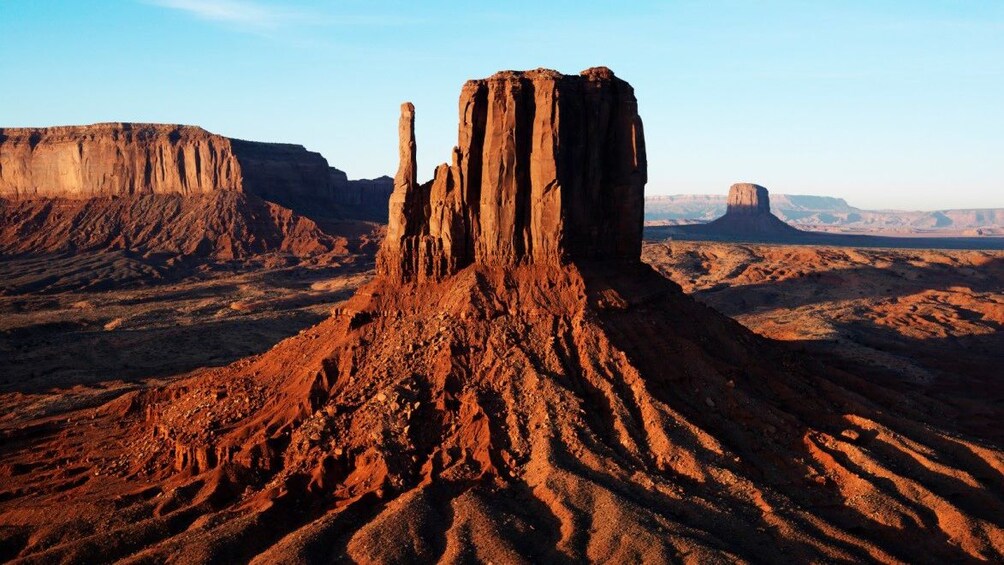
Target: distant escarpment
[
  {"x": 748, "y": 217},
  {"x": 547, "y": 167},
  {"x": 123, "y": 159},
  {"x": 810, "y": 212}
]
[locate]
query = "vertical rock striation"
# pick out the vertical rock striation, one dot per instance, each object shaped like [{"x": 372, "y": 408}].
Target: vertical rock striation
[
  {"x": 125, "y": 159},
  {"x": 747, "y": 199},
  {"x": 548, "y": 167},
  {"x": 115, "y": 160}
]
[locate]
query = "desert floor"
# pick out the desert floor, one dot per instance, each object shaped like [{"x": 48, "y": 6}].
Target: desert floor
[
  {"x": 932, "y": 320},
  {"x": 68, "y": 349},
  {"x": 923, "y": 319}
]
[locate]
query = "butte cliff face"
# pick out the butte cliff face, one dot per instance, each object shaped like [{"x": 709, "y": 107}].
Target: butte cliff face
[
  {"x": 547, "y": 167},
  {"x": 539, "y": 395},
  {"x": 115, "y": 160},
  {"x": 747, "y": 199},
  {"x": 123, "y": 159}
]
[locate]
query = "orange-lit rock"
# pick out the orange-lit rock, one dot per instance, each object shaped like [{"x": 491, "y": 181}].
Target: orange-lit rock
[{"x": 547, "y": 167}]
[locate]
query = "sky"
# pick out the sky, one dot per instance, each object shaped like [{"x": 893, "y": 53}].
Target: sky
[{"x": 888, "y": 104}]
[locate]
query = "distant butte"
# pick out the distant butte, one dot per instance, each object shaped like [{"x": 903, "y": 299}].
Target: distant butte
[
  {"x": 748, "y": 214},
  {"x": 747, "y": 199}
]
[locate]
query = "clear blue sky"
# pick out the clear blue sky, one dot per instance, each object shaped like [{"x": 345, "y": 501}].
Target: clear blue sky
[{"x": 888, "y": 104}]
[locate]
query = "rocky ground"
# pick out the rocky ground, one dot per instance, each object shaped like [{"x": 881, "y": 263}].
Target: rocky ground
[
  {"x": 586, "y": 395},
  {"x": 925, "y": 314},
  {"x": 933, "y": 319},
  {"x": 905, "y": 320},
  {"x": 64, "y": 351}
]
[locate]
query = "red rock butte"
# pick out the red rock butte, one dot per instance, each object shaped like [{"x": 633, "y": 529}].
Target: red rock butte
[
  {"x": 748, "y": 215},
  {"x": 547, "y": 167},
  {"x": 748, "y": 199}
]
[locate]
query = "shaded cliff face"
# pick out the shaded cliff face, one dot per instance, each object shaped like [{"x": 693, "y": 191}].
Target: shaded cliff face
[
  {"x": 548, "y": 167},
  {"x": 365, "y": 199},
  {"x": 748, "y": 199},
  {"x": 283, "y": 173}
]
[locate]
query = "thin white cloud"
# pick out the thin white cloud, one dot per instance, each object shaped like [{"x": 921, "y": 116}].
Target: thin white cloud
[
  {"x": 259, "y": 17},
  {"x": 241, "y": 13}
]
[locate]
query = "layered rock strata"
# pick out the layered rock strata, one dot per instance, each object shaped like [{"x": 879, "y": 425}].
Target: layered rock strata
[
  {"x": 548, "y": 167},
  {"x": 115, "y": 159},
  {"x": 123, "y": 159}
]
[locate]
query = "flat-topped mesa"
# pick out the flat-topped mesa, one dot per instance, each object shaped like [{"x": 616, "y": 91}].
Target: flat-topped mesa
[
  {"x": 748, "y": 199},
  {"x": 548, "y": 168},
  {"x": 121, "y": 159}
]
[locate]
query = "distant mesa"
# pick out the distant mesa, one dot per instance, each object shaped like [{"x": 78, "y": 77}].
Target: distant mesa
[
  {"x": 156, "y": 202},
  {"x": 129, "y": 159},
  {"x": 811, "y": 212},
  {"x": 748, "y": 217}
]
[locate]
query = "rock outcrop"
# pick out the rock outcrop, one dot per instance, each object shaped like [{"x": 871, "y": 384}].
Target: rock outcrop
[
  {"x": 123, "y": 159},
  {"x": 548, "y": 167},
  {"x": 122, "y": 242},
  {"x": 222, "y": 226}
]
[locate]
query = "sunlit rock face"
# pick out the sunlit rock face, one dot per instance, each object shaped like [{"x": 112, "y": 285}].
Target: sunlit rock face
[
  {"x": 122, "y": 159},
  {"x": 548, "y": 167}
]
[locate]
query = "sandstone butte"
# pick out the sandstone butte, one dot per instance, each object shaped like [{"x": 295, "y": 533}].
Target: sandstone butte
[
  {"x": 126, "y": 159},
  {"x": 747, "y": 199},
  {"x": 748, "y": 213},
  {"x": 548, "y": 166},
  {"x": 513, "y": 386}
]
